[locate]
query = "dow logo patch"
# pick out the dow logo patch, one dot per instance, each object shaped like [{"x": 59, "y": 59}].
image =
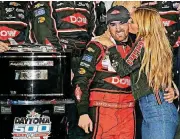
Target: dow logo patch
[
  {"x": 6, "y": 33},
  {"x": 77, "y": 19}
]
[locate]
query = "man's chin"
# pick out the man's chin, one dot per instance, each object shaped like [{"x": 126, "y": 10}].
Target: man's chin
[{"x": 119, "y": 39}]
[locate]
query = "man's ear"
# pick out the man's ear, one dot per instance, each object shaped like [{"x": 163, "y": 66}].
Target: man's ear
[{"x": 130, "y": 21}]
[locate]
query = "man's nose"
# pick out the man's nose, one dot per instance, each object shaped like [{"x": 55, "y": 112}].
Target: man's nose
[{"x": 118, "y": 27}]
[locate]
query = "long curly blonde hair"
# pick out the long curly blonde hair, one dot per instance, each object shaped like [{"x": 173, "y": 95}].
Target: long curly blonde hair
[{"x": 157, "y": 59}]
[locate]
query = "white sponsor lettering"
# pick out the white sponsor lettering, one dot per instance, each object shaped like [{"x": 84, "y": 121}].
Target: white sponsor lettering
[
  {"x": 64, "y": 41},
  {"x": 84, "y": 65},
  {"x": 21, "y": 16},
  {"x": 10, "y": 17},
  {"x": 81, "y": 4},
  {"x": 78, "y": 19},
  {"x": 7, "y": 33},
  {"x": 135, "y": 54},
  {"x": 166, "y": 23},
  {"x": 59, "y": 4},
  {"x": 8, "y": 10},
  {"x": 19, "y": 10},
  {"x": 116, "y": 80}
]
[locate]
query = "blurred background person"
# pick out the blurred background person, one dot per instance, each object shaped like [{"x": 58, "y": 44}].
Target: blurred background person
[
  {"x": 101, "y": 26},
  {"x": 70, "y": 24},
  {"x": 14, "y": 23}
]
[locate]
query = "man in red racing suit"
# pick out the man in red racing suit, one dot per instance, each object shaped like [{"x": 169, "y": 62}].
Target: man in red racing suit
[{"x": 104, "y": 99}]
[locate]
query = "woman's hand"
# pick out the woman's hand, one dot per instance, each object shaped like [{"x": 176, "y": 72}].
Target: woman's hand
[{"x": 170, "y": 95}]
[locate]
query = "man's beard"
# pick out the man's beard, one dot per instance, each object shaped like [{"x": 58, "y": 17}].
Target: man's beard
[{"x": 121, "y": 34}]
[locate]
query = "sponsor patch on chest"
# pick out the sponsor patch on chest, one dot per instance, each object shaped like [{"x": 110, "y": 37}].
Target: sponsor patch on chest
[
  {"x": 119, "y": 82},
  {"x": 77, "y": 19},
  {"x": 6, "y": 33}
]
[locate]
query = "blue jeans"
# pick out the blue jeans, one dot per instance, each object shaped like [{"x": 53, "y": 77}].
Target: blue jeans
[{"x": 159, "y": 121}]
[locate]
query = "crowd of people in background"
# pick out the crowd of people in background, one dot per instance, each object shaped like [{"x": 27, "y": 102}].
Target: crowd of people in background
[{"x": 89, "y": 28}]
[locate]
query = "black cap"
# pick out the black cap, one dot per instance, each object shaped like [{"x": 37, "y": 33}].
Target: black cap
[{"x": 118, "y": 13}]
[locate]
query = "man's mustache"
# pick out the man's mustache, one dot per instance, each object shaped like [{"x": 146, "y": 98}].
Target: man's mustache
[{"x": 119, "y": 31}]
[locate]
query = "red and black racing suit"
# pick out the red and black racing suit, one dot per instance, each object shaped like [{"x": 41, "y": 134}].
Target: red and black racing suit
[
  {"x": 14, "y": 21},
  {"x": 71, "y": 25},
  {"x": 170, "y": 18},
  {"x": 104, "y": 95},
  {"x": 17, "y": 21},
  {"x": 71, "y": 22}
]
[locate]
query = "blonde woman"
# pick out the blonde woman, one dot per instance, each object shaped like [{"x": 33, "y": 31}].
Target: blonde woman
[{"x": 150, "y": 67}]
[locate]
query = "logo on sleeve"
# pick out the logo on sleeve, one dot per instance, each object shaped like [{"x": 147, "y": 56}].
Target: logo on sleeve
[
  {"x": 41, "y": 19},
  {"x": 87, "y": 58},
  {"x": 82, "y": 71},
  {"x": 135, "y": 54},
  {"x": 38, "y": 5},
  {"x": 89, "y": 49},
  {"x": 39, "y": 12},
  {"x": 83, "y": 64},
  {"x": 78, "y": 93}
]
